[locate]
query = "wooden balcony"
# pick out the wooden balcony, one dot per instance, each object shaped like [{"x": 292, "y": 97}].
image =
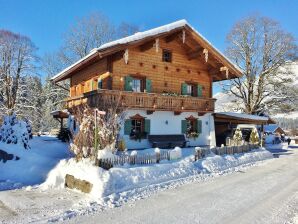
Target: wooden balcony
[{"x": 144, "y": 101}]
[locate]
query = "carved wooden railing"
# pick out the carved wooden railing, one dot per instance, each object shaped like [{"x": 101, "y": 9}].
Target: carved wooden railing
[{"x": 145, "y": 101}]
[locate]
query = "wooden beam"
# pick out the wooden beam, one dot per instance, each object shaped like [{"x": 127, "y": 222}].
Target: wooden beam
[
  {"x": 213, "y": 51},
  {"x": 195, "y": 53},
  {"x": 146, "y": 46},
  {"x": 171, "y": 37}
]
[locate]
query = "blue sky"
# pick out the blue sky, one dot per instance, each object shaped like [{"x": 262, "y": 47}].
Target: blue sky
[{"x": 46, "y": 21}]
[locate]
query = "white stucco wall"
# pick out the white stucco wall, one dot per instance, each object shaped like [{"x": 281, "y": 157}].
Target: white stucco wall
[{"x": 165, "y": 122}]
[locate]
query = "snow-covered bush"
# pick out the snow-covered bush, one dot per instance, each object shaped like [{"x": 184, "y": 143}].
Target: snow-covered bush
[
  {"x": 176, "y": 153},
  {"x": 237, "y": 138},
  {"x": 254, "y": 136},
  {"x": 14, "y": 131},
  {"x": 95, "y": 134},
  {"x": 72, "y": 125}
]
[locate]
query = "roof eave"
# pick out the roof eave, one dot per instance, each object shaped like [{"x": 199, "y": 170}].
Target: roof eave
[{"x": 66, "y": 72}]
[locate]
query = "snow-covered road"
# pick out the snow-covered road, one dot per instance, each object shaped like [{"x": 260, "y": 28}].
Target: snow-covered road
[{"x": 263, "y": 194}]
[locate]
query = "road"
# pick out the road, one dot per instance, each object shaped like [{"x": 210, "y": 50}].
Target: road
[{"x": 263, "y": 194}]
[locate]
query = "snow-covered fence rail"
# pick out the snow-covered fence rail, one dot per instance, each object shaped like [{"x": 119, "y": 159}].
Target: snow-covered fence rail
[
  {"x": 203, "y": 152},
  {"x": 138, "y": 159}
]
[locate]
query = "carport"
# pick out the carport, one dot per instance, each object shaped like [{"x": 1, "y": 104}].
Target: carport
[{"x": 226, "y": 122}]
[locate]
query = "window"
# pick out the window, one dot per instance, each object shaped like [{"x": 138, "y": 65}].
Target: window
[
  {"x": 191, "y": 89},
  {"x": 192, "y": 126},
  {"x": 166, "y": 56},
  {"x": 136, "y": 85},
  {"x": 137, "y": 127}
]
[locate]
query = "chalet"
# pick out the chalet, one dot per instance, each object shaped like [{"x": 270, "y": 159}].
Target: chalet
[
  {"x": 273, "y": 129},
  {"x": 164, "y": 78}
]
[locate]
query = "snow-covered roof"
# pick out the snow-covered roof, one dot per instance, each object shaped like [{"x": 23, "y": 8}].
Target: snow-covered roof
[
  {"x": 145, "y": 34},
  {"x": 270, "y": 127},
  {"x": 244, "y": 116},
  {"x": 142, "y": 35}
]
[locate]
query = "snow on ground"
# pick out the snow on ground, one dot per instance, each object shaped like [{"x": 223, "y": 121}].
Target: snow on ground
[
  {"x": 50, "y": 201},
  {"x": 263, "y": 194},
  {"x": 36, "y": 205},
  {"x": 119, "y": 185},
  {"x": 120, "y": 179},
  {"x": 34, "y": 163}
]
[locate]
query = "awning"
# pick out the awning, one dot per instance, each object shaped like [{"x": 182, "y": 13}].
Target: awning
[
  {"x": 60, "y": 114},
  {"x": 240, "y": 118}
]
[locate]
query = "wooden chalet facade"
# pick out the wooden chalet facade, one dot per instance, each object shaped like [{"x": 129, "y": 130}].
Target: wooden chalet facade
[{"x": 163, "y": 77}]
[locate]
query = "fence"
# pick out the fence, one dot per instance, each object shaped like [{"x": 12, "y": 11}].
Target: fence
[
  {"x": 133, "y": 159},
  {"x": 165, "y": 155},
  {"x": 203, "y": 152}
]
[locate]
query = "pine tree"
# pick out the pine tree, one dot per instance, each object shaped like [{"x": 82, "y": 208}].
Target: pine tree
[
  {"x": 237, "y": 138},
  {"x": 52, "y": 97},
  {"x": 254, "y": 137}
]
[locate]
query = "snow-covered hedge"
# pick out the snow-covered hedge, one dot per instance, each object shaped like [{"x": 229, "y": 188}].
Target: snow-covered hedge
[{"x": 14, "y": 131}]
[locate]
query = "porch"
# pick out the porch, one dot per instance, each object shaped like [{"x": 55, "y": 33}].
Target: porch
[{"x": 144, "y": 101}]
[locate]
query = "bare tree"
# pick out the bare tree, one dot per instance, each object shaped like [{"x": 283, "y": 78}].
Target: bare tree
[
  {"x": 17, "y": 59},
  {"x": 87, "y": 33},
  {"x": 126, "y": 29},
  {"x": 261, "y": 47}
]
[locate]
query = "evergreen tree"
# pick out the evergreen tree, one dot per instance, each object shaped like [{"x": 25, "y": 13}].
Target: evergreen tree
[
  {"x": 237, "y": 138},
  {"x": 254, "y": 137},
  {"x": 52, "y": 97}
]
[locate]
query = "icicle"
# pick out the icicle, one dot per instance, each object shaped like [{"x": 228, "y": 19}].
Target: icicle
[
  {"x": 205, "y": 52},
  {"x": 156, "y": 45},
  {"x": 226, "y": 70},
  {"x": 125, "y": 56},
  {"x": 183, "y": 36}
]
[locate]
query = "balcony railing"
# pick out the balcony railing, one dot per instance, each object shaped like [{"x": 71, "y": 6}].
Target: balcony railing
[{"x": 144, "y": 101}]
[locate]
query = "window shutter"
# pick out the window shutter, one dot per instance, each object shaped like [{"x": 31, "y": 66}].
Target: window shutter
[
  {"x": 199, "y": 123},
  {"x": 109, "y": 82},
  {"x": 200, "y": 90},
  {"x": 91, "y": 84},
  {"x": 99, "y": 84},
  {"x": 127, "y": 127},
  {"x": 147, "y": 126},
  {"x": 183, "y": 126},
  {"x": 127, "y": 84},
  {"x": 184, "y": 89},
  {"x": 148, "y": 85}
]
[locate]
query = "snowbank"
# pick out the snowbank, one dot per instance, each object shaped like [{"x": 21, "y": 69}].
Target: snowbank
[
  {"x": 34, "y": 163},
  {"x": 127, "y": 178},
  {"x": 215, "y": 164},
  {"x": 84, "y": 170}
]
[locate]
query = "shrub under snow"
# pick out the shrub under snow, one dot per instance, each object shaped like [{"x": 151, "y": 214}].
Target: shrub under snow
[
  {"x": 176, "y": 153},
  {"x": 14, "y": 131}
]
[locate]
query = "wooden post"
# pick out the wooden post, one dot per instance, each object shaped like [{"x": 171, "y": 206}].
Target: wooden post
[
  {"x": 157, "y": 157},
  {"x": 262, "y": 134}
]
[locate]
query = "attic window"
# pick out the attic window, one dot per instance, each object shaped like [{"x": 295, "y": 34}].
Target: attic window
[{"x": 166, "y": 56}]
